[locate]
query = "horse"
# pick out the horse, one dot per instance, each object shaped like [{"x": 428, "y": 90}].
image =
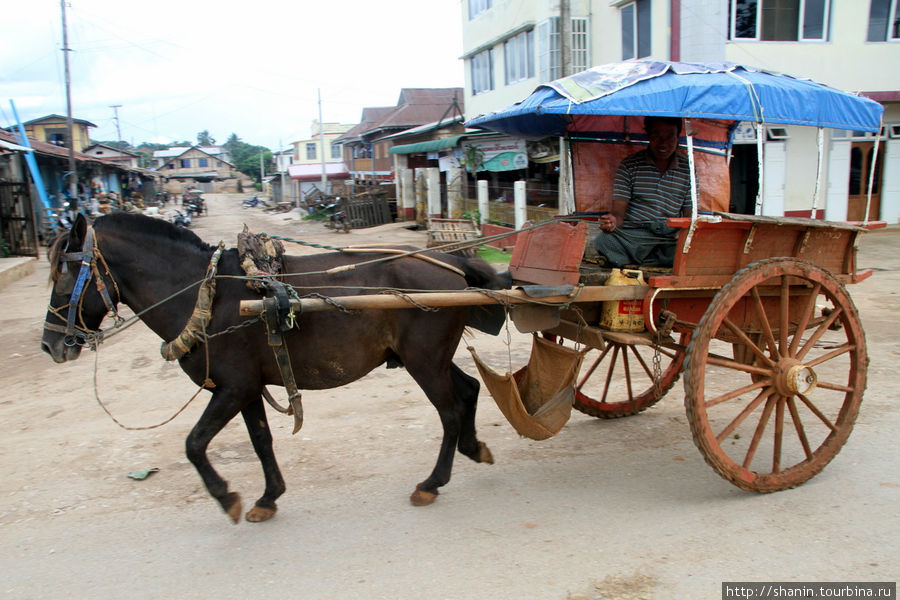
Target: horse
[{"x": 144, "y": 263}]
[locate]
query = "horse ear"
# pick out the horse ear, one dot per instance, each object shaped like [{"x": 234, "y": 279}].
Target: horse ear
[{"x": 79, "y": 229}]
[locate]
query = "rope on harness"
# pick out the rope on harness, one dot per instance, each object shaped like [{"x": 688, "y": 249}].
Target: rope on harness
[{"x": 195, "y": 330}]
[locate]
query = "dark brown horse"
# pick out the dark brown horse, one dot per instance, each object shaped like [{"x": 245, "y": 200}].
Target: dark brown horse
[{"x": 141, "y": 261}]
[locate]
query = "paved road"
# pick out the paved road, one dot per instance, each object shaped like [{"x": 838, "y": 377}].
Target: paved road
[{"x": 606, "y": 509}]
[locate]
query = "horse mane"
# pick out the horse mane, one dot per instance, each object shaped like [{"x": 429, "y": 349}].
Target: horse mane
[
  {"x": 133, "y": 224},
  {"x": 152, "y": 227}
]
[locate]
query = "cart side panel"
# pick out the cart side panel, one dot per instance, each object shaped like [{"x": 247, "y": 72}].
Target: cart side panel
[{"x": 715, "y": 251}]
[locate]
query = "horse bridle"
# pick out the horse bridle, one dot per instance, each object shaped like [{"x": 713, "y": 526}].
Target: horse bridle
[{"x": 90, "y": 252}]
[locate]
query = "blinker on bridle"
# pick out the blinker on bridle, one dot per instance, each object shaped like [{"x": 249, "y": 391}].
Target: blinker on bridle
[{"x": 88, "y": 257}]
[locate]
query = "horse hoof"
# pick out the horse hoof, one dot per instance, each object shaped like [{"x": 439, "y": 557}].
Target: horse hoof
[
  {"x": 258, "y": 514},
  {"x": 422, "y": 497},
  {"x": 484, "y": 454},
  {"x": 232, "y": 505}
]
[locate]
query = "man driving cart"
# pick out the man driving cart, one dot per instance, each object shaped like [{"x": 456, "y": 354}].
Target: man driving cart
[{"x": 650, "y": 186}]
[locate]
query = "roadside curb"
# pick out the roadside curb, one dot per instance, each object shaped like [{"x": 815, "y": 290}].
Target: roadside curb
[{"x": 13, "y": 269}]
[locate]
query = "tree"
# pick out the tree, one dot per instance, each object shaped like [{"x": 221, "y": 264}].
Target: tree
[
  {"x": 246, "y": 157},
  {"x": 120, "y": 144},
  {"x": 204, "y": 139}
]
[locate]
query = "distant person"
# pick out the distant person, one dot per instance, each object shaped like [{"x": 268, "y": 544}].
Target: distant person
[{"x": 650, "y": 186}]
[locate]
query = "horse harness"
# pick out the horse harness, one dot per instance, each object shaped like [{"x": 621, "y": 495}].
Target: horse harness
[
  {"x": 261, "y": 259},
  {"x": 89, "y": 255}
]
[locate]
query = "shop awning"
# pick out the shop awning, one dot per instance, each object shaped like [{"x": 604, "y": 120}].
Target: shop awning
[{"x": 433, "y": 145}]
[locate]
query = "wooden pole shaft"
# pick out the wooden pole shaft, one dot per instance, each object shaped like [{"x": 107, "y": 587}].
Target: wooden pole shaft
[{"x": 443, "y": 299}]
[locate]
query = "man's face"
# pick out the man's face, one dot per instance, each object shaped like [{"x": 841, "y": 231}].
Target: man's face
[{"x": 663, "y": 140}]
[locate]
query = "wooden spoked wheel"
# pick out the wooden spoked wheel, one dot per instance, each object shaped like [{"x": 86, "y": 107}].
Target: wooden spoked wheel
[
  {"x": 772, "y": 414},
  {"x": 618, "y": 381}
]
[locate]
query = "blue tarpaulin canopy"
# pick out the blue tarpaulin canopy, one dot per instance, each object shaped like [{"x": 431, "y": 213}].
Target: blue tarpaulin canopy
[{"x": 721, "y": 91}]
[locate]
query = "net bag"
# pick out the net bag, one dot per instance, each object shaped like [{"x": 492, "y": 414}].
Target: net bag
[{"x": 537, "y": 399}]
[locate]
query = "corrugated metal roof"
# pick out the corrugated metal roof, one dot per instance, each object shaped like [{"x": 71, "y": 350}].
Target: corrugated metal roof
[
  {"x": 434, "y": 145},
  {"x": 16, "y": 147}
]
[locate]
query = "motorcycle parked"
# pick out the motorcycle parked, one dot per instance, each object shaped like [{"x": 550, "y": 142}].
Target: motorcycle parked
[
  {"x": 337, "y": 218},
  {"x": 252, "y": 202},
  {"x": 193, "y": 203}
]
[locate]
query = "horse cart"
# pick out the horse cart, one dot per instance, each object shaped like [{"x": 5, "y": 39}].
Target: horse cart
[{"x": 754, "y": 312}]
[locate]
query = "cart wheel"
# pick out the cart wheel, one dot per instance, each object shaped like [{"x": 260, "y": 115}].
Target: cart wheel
[
  {"x": 611, "y": 379},
  {"x": 777, "y": 413}
]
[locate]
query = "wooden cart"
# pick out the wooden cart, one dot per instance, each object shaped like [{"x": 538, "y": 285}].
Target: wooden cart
[
  {"x": 756, "y": 314},
  {"x": 754, "y": 311}
]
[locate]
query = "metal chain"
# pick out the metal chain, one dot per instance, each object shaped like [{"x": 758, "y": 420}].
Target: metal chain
[
  {"x": 657, "y": 368},
  {"x": 406, "y": 297},
  {"x": 232, "y": 329}
]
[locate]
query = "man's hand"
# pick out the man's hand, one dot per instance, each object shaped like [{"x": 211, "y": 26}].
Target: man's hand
[{"x": 607, "y": 222}]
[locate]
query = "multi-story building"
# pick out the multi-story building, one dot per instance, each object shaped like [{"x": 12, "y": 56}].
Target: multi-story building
[
  {"x": 367, "y": 145},
  {"x": 512, "y": 46},
  {"x": 53, "y": 130},
  {"x": 309, "y": 155},
  {"x": 197, "y": 167}
]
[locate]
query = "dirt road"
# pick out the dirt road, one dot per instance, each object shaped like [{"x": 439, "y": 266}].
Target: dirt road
[{"x": 607, "y": 509}]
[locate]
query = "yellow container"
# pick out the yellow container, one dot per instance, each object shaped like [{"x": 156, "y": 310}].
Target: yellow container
[{"x": 623, "y": 315}]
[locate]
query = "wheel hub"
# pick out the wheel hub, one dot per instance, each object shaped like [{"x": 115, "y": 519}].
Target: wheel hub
[{"x": 793, "y": 377}]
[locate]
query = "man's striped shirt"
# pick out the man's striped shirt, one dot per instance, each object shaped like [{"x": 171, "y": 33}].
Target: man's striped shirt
[{"x": 652, "y": 196}]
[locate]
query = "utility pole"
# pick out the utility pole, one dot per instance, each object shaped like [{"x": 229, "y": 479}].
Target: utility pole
[
  {"x": 322, "y": 144},
  {"x": 116, "y": 108},
  {"x": 565, "y": 38},
  {"x": 73, "y": 175},
  {"x": 262, "y": 173},
  {"x": 281, "y": 169}
]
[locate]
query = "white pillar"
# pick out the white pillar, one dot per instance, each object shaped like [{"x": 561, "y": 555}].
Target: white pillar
[
  {"x": 433, "y": 183},
  {"x": 566, "y": 197},
  {"x": 407, "y": 195},
  {"x": 483, "y": 200},
  {"x": 455, "y": 178},
  {"x": 421, "y": 195},
  {"x": 521, "y": 214}
]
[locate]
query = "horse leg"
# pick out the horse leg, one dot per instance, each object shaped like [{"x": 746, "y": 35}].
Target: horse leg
[
  {"x": 442, "y": 387},
  {"x": 220, "y": 410},
  {"x": 466, "y": 388},
  {"x": 258, "y": 427}
]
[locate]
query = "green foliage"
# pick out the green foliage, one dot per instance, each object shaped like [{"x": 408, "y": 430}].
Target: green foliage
[
  {"x": 120, "y": 144},
  {"x": 472, "y": 215},
  {"x": 492, "y": 255},
  {"x": 204, "y": 139},
  {"x": 5, "y": 250},
  {"x": 246, "y": 157}
]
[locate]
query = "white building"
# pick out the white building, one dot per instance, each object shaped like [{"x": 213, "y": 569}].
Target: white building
[
  {"x": 309, "y": 155},
  {"x": 512, "y": 46}
]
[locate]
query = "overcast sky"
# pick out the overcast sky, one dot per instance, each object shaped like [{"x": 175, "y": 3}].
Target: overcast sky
[{"x": 253, "y": 67}]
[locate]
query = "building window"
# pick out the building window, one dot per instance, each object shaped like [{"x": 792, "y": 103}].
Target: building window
[
  {"x": 884, "y": 21},
  {"x": 483, "y": 71},
  {"x": 781, "y": 20},
  {"x": 170, "y": 166},
  {"x": 202, "y": 162},
  {"x": 549, "y": 62},
  {"x": 310, "y": 151},
  {"x": 185, "y": 163},
  {"x": 476, "y": 7},
  {"x": 636, "y": 29},
  {"x": 518, "y": 56},
  {"x": 335, "y": 150},
  {"x": 57, "y": 137}
]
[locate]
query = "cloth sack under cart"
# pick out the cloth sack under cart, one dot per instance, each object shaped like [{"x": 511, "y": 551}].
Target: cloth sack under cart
[{"x": 537, "y": 399}]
